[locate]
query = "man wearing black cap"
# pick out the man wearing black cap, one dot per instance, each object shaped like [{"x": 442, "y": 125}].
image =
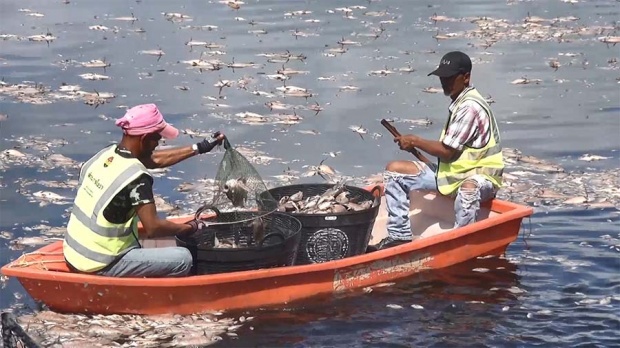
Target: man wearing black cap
[{"x": 469, "y": 154}]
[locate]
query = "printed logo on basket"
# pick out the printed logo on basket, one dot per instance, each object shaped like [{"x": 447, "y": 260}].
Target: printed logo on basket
[{"x": 326, "y": 245}]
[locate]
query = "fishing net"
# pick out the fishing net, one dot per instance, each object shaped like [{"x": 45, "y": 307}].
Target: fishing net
[
  {"x": 243, "y": 230},
  {"x": 239, "y": 188}
]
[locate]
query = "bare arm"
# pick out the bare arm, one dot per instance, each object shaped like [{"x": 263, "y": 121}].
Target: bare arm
[
  {"x": 437, "y": 149},
  {"x": 156, "y": 227},
  {"x": 432, "y": 147},
  {"x": 168, "y": 157}
]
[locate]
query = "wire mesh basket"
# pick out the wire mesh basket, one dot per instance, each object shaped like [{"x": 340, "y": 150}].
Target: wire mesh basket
[{"x": 242, "y": 240}]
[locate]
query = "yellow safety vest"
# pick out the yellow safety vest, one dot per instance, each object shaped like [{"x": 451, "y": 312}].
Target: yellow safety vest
[
  {"x": 487, "y": 160},
  {"x": 92, "y": 242}
]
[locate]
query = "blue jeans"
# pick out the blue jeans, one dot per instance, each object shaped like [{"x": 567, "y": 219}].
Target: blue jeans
[
  {"x": 151, "y": 262},
  {"x": 397, "y": 188}
]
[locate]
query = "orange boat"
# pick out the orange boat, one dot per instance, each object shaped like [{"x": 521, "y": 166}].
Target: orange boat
[{"x": 45, "y": 276}]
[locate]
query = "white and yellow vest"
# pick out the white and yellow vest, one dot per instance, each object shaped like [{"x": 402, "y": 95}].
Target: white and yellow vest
[
  {"x": 487, "y": 160},
  {"x": 91, "y": 242}
]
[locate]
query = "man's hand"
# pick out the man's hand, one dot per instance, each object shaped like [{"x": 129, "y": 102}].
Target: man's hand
[
  {"x": 407, "y": 142},
  {"x": 196, "y": 226},
  {"x": 206, "y": 146}
]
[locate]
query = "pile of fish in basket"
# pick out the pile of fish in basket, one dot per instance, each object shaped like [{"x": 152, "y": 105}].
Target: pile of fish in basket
[{"x": 252, "y": 227}]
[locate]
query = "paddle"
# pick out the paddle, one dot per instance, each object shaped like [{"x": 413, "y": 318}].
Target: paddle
[{"x": 396, "y": 133}]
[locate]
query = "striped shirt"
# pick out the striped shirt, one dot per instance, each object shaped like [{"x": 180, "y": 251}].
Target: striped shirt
[{"x": 469, "y": 127}]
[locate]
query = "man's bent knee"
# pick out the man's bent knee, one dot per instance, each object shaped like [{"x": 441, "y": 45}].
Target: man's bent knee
[
  {"x": 403, "y": 167},
  {"x": 469, "y": 187},
  {"x": 185, "y": 260}
]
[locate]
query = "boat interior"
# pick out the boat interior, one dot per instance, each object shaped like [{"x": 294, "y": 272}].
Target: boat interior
[{"x": 430, "y": 214}]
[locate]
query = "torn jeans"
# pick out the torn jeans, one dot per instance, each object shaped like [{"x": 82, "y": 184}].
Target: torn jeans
[{"x": 397, "y": 188}]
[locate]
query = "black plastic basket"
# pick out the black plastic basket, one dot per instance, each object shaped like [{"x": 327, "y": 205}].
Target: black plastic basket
[
  {"x": 327, "y": 237},
  {"x": 277, "y": 248}
]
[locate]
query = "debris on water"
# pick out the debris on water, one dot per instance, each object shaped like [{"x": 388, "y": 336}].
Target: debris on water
[{"x": 53, "y": 329}]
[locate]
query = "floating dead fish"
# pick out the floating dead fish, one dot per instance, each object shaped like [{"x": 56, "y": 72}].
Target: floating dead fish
[
  {"x": 349, "y": 88},
  {"x": 131, "y": 18},
  {"x": 234, "y": 65},
  {"x": 223, "y": 83},
  {"x": 590, "y": 158},
  {"x": 176, "y": 17},
  {"x": 347, "y": 42},
  {"x": 382, "y": 72},
  {"x": 32, "y": 241},
  {"x": 609, "y": 39},
  {"x": 432, "y": 90},
  {"x": 94, "y": 77},
  {"x": 287, "y": 71},
  {"x": 42, "y": 38},
  {"x": 359, "y": 130},
  {"x": 525, "y": 81},
  {"x": 96, "y": 63},
  {"x": 158, "y": 52},
  {"x": 98, "y": 27}
]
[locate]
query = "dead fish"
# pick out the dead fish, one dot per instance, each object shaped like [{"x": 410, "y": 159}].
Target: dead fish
[
  {"x": 131, "y": 18},
  {"x": 554, "y": 64},
  {"x": 175, "y": 16},
  {"x": 382, "y": 72},
  {"x": 287, "y": 71},
  {"x": 258, "y": 230},
  {"x": 432, "y": 90},
  {"x": 316, "y": 107},
  {"x": 98, "y": 27},
  {"x": 33, "y": 241},
  {"x": 325, "y": 203},
  {"x": 359, "y": 130},
  {"x": 348, "y": 88},
  {"x": 158, "y": 53},
  {"x": 237, "y": 191},
  {"x": 42, "y": 38},
  {"x": 609, "y": 40},
  {"x": 525, "y": 81},
  {"x": 347, "y": 42},
  {"x": 234, "y": 65},
  {"x": 96, "y": 63},
  {"x": 278, "y": 105},
  {"x": 590, "y": 158},
  {"x": 223, "y": 83},
  {"x": 94, "y": 77}
]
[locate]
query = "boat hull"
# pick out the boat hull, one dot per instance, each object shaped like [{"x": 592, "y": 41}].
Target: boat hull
[{"x": 45, "y": 276}]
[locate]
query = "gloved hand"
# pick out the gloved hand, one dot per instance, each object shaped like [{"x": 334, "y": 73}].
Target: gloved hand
[
  {"x": 197, "y": 225},
  {"x": 206, "y": 146}
]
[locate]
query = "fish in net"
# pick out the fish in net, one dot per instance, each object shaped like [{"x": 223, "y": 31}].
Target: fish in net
[{"x": 241, "y": 202}]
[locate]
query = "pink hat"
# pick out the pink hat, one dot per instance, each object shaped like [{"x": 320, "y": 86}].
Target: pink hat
[{"x": 146, "y": 119}]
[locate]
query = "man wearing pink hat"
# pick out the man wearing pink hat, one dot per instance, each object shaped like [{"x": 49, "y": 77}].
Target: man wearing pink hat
[{"x": 115, "y": 190}]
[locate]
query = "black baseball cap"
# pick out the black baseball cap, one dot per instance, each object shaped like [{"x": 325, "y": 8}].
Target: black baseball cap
[{"x": 453, "y": 63}]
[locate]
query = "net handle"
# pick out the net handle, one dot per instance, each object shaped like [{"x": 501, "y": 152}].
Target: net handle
[
  {"x": 205, "y": 208},
  {"x": 377, "y": 196},
  {"x": 269, "y": 235}
]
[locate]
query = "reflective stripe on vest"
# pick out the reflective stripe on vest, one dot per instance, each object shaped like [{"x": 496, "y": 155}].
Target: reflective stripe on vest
[
  {"x": 487, "y": 161},
  {"x": 91, "y": 242}
]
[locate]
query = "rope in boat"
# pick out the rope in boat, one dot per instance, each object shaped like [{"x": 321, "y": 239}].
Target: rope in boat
[{"x": 23, "y": 262}]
